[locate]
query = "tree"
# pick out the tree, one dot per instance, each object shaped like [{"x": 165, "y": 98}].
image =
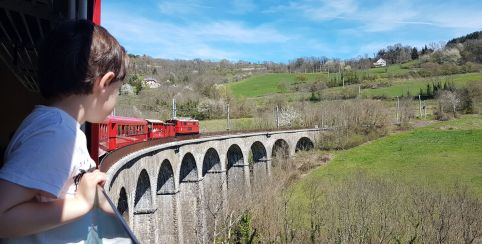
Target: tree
[
  {"x": 451, "y": 99},
  {"x": 137, "y": 87},
  {"x": 414, "y": 53},
  {"x": 429, "y": 91}
]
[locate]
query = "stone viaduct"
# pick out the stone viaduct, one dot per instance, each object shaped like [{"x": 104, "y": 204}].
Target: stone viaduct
[{"x": 162, "y": 191}]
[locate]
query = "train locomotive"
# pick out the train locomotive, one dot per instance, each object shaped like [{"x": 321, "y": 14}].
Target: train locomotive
[{"x": 117, "y": 131}]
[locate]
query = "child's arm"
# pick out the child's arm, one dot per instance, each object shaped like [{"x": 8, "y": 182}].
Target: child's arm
[{"x": 21, "y": 214}]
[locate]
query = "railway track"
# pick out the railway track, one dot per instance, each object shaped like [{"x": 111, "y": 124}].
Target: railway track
[{"x": 109, "y": 159}]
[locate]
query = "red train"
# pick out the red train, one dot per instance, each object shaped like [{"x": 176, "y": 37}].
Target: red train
[{"x": 116, "y": 131}]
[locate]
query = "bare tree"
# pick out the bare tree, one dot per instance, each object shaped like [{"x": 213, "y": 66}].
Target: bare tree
[{"x": 450, "y": 99}]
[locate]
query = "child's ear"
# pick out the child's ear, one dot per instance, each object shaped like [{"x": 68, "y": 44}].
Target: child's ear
[{"x": 103, "y": 81}]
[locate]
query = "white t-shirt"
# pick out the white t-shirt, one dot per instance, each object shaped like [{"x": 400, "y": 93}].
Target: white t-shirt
[{"x": 46, "y": 153}]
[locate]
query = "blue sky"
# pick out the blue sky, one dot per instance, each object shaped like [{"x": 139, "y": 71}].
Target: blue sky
[{"x": 279, "y": 31}]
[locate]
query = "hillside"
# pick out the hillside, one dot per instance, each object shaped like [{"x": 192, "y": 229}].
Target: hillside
[
  {"x": 441, "y": 154},
  {"x": 404, "y": 187}
]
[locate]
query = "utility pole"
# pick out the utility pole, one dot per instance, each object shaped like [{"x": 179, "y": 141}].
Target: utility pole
[
  {"x": 322, "y": 119},
  {"x": 420, "y": 105},
  {"x": 277, "y": 117},
  {"x": 174, "y": 110},
  {"x": 398, "y": 109},
  {"x": 228, "y": 123}
]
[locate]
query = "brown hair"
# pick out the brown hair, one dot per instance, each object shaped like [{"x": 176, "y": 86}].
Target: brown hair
[{"x": 74, "y": 55}]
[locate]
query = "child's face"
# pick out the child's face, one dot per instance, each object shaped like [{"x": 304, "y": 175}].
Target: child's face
[{"x": 104, "y": 102}]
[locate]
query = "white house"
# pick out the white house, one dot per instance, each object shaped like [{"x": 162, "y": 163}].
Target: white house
[
  {"x": 151, "y": 83},
  {"x": 380, "y": 63}
]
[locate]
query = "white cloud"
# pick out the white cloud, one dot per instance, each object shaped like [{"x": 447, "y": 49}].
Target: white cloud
[
  {"x": 326, "y": 9},
  {"x": 200, "y": 40},
  {"x": 317, "y": 10},
  {"x": 457, "y": 18},
  {"x": 237, "y": 33},
  {"x": 243, "y": 6},
  {"x": 182, "y": 8},
  {"x": 388, "y": 15}
]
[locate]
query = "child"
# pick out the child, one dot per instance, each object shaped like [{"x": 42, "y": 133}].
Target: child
[{"x": 42, "y": 191}]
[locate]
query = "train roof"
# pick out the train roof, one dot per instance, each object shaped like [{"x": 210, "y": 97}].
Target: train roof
[
  {"x": 155, "y": 121},
  {"x": 183, "y": 119},
  {"x": 121, "y": 119}
]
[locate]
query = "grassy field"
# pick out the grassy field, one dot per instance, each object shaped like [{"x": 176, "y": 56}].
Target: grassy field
[
  {"x": 413, "y": 86},
  {"x": 437, "y": 155},
  {"x": 220, "y": 124},
  {"x": 267, "y": 85},
  {"x": 394, "y": 69},
  {"x": 261, "y": 85}
]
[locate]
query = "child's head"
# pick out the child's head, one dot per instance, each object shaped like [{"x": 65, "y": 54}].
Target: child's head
[{"x": 76, "y": 55}]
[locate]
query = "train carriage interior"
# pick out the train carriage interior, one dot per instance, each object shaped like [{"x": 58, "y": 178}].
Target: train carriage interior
[{"x": 23, "y": 25}]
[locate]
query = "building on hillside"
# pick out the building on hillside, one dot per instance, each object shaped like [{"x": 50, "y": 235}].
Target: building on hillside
[
  {"x": 151, "y": 82},
  {"x": 380, "y": 63}
]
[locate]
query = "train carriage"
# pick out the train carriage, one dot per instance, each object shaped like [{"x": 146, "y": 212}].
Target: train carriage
[
  {"x": 160, "y": 129},
  {"x": 116, "y": 132}
]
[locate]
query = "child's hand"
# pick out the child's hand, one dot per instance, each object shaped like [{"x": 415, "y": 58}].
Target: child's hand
[{"x": 87, "y": 188}]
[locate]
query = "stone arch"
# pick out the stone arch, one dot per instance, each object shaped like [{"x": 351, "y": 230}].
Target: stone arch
[
  {"x": 188, "y": 172},
  {"x": 259, "y": 152},
  {"x": 235, "y": 176},
  {"x": 166, "y": 217},
  {"x": 143, "y": 209},
  {"x": 143, "y": 198},
  {"x": 280, "y": 148},
  {"x": 191, "y": 200},
  {"x": 234, "y": 157},
  {"x": 304, "y": 144},
  {"x": 123, "y": 205},
  {"x": 165, "y": 179},
  {"x": 258, "y": 165},
  {"x": 214, "y": 184},
  {"x": 211, "y": 161}
]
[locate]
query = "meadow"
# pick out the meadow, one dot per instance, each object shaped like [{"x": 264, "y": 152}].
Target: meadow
[
  {"x": 437, "y": 155},
  {"x": 264, "y": 86}
]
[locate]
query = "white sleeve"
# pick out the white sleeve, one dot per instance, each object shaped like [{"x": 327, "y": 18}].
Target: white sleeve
[{"x": 41, "y": 161}]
